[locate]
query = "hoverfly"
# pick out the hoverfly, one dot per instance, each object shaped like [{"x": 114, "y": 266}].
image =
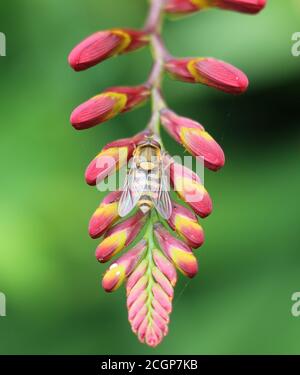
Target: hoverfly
[{"x": 146, "y": 184}]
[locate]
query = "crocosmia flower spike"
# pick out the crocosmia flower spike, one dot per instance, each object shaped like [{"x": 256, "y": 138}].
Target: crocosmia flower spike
[{"x": 149, "y": 227}]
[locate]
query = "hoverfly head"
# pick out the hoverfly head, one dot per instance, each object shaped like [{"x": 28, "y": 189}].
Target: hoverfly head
[{"x": 151, "y": 140}]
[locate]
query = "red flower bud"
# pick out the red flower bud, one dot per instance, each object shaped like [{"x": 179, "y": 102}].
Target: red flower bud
[
  {"x": 105, "y": 44},
  {"x": 210, "y": 72},
  {"x": 122, "y": 267},
  {"x": 244, "y": 6},
  {"x": 176, "y": 250},
  {"x": 189, "y": 187},
  {"x": 185, "y": 223},
  {"x": 107, "y": 105},
  {"x": 107, "y": 162},
  {"x": 190, "y": 6},
  {"x": 105, "y": 215},
  {"x": 119, "y": 236},
  {"x": 193, "y": 136},
  {"x": 112, "y": 157}
]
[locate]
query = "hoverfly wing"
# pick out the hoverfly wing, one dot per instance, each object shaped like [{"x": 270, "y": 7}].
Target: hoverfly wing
[
  {"x": 161, "y": 198},
  {"x": 133, "y": 188}
]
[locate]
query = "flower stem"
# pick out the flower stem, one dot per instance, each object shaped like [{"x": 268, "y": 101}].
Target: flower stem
[
  {"x": 154, "y": 19},
  {"x": 160, "y": 54}
]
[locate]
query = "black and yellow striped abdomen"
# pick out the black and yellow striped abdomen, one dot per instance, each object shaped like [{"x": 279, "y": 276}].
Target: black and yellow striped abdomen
[{"x": 150, "y": 192}]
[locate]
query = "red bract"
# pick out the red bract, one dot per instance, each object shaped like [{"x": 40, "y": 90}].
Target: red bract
[{"x": 105, "y": 44}]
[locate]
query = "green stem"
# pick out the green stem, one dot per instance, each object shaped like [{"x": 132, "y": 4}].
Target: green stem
[
  {"x": 160, "y": 54},
  {"x": 151, "y": 246}
]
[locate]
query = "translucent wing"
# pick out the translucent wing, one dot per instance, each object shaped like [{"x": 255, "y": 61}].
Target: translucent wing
[
  {"x": 161, "y": 198},
  {"x": 133, "y": 189}
]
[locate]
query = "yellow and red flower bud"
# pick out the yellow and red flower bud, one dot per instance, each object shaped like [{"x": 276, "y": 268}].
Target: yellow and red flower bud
[
  {"x": 119, "y": 236},
  {"x": 112, "y": 157},
  {"x": 163, "y": 281},
  {"x": 201, "y": 144},
  {"x": 165, "y": 266},
  {"x": 107, "y": 162},
  {"x": 105, "y": 44},
  {"x": 176, "y": 250},
  {"x": 107, "y": 105},
  {"x": 105, "y": 215},
  {"x": 189, "y": 187},
  {"x": 122, "y": 267},
  {"x": 194, "y": 137},
  {"x": 210, "y": 72},
  {"x": 186, "y": 225},
  {"x": 191, "y": 6},
  {"x": 136, "y": 275}
]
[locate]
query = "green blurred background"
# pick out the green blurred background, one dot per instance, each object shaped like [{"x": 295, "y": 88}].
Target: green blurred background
[{"x": 249, "y": 266}]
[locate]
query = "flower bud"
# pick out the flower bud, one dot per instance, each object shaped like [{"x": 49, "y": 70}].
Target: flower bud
[
  {"x": 112, "y": 157},
  {"x": 107, "y": 105},
  {"x": 105, "y": 215},
  {"x": 190, "y": 6},
  {"x": 119, "y": 236},
  {"x": 210, "y": 72},
  {"x": 193, "y": 136},
  {"x": 189, "y": 187},
  {"x": 122, "y": 267},
  {"x": 107, "y": 162},
  {"x": 163, "y": 281},
  {"x": 165, "y": 266},
  {"x": 136, "y": 275},
  {"x": 105, "y": 44},
  {"x": 176, "y": 250},
  {"x": 243, "y": 6},
  {"x": 186, "y": 225}
]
